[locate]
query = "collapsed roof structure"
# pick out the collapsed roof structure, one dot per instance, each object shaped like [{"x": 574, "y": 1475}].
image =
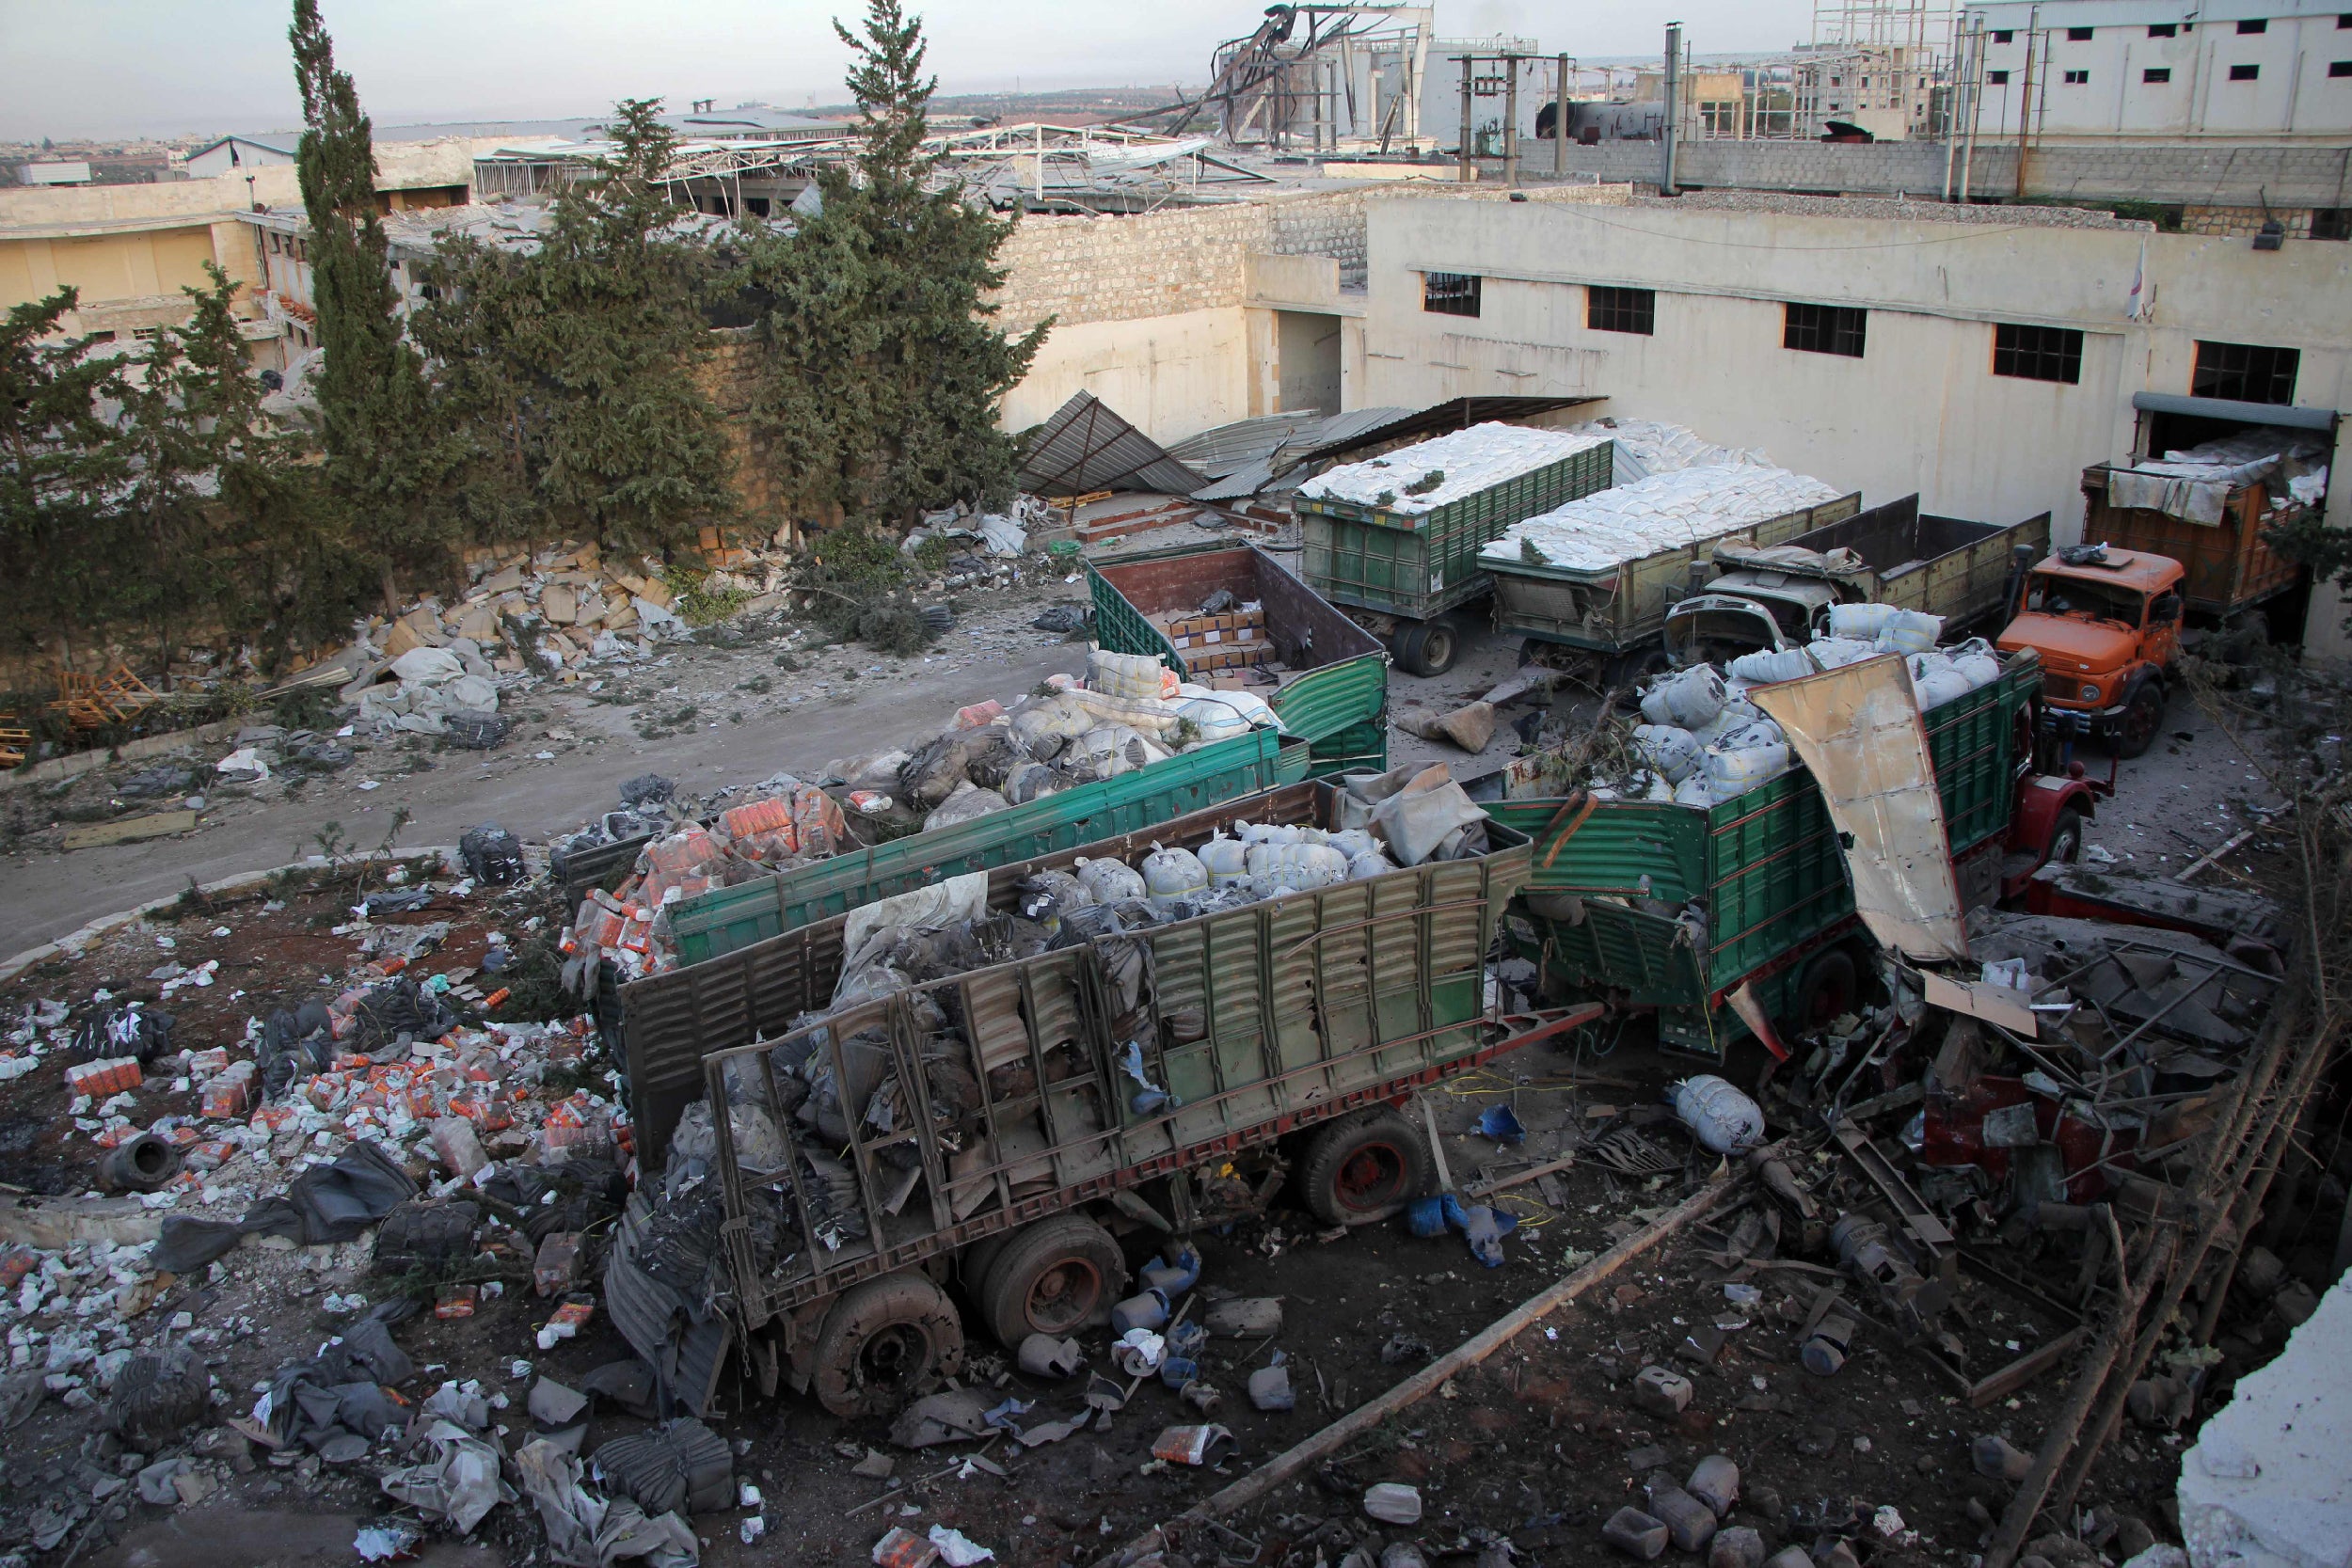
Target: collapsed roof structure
[{"x": 1319, "y": 74}]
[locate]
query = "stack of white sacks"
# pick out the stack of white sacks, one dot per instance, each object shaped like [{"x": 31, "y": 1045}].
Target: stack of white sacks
[{"x": 1703, "y": 742}]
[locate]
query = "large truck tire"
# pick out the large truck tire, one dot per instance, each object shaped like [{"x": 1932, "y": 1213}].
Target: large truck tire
[
  {"x": 1053, "y": 1277},
  {"x": 1636, "y": 665},
  {"x": 1363, "y": 1167},
  {"x": 1831, "y": 986},
  {"x": 2066, "y": 838},
  {"x": 886, "y": 1342},
  {"x": 1426, "y": 648},
  {"x": 2142, "y": 720}
]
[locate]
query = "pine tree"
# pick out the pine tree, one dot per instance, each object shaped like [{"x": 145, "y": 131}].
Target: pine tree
[
  {"x": 384, "y": 457},
  {"x": 60, "y": 468},
  {"x": 885, "y": 374}
]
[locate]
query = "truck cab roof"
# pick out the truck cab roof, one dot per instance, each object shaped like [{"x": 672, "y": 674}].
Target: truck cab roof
[{"x": 2137, "y": 569}]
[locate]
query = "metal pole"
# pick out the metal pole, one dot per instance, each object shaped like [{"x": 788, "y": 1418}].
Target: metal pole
[
  {"x": 2024, "y": 101},
  {"x": 1511, "y": 121},
  {"x": 1468, "y": 171},
  {"x": 1975, "y": 106},
  {"x": 1559, "y": 122},
  {"x": 1674, "y": 95}
]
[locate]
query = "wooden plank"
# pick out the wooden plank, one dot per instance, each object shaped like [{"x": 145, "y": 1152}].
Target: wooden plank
[
  {"x": 131, "y": 830},
  {"x": 2023, "y": 1370}
]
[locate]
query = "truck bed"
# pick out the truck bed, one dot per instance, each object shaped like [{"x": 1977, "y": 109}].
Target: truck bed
[
  {"x": 1915, "y": 559},
  {"x": 2230, "y": 567}
]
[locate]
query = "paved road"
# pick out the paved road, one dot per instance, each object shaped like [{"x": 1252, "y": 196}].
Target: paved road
[{"x": 45, "y": 897}]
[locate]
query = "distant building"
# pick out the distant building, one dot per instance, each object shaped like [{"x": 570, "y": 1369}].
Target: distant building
[
  {"x": 2118, "y": 70},
  {"x": 52, "y": 174},
  {"x": 238, "y": 155}
]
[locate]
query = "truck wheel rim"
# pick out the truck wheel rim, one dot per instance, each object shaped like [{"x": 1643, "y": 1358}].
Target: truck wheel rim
[
  {"x": 1372, "y": 1176},
  {"x": 1064, "y": 1296},
  {"x": 896, "y": 1356},
  {"x": 2139, "y": 722}
]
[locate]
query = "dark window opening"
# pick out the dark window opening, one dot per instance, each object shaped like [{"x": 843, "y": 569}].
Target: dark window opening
[
  {"x": 2332, "y": 223},
  {"x": 2163, "y": 30},
  {"x": 2003, "y": 36},
  {"x": 1824, "y": 329},
  {"x": 2157, "y": 73},
  {"x": 1998, "y": 78},
  {"x": 1621, "y": 310},
  {"x": 2077, "y": 78},
  {"x": 2246, "y": 373},
  {"x": 2078, "y": 35},
  {"x": 2245, "y": 73},
  {"x": 2257, "y": 26},
  {"x": 2038, "y": 353},
  {"x": 1450, "y": 294},
  {"x": 2340, "y": 67}
]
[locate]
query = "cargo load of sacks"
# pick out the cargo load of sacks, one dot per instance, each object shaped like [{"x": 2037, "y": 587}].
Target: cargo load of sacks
[{"x": 1702, "y": 741}]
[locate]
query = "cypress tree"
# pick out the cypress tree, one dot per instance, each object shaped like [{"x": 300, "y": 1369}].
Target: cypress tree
[
  {"x": 884, "y": 373},
  {"x": 384, "y": 456}
]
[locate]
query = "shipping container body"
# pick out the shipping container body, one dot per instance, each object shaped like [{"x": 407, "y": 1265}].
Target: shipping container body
[
  {"x": 1613, "y": 613},
  {"x": 2229, "y": 566},
  {"x": 1912, "y": 560},
  {"x": 1081, "y": 1072},
  {"x": 1677, "y": 907},
  {"x": 1329, "y": 676},
  {"x": 1418, "y": 566}
]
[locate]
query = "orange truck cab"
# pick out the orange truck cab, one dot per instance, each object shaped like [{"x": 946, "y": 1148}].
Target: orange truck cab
[{"x": 2108, "y": 624}]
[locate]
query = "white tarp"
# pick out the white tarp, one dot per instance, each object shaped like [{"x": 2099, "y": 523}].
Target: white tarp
[
  {"x": 2195, "y": 484},
  {"x": 1469, "y": 460},
  {"x": 1667, "y": 511},
  {"x": 1858, "y": 730}
]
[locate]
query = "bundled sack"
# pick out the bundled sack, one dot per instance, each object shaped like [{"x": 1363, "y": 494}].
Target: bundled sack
[
  {"x": 1129, "y": 675},
  {"x": 801, "y": 823},
  {"x": 1686, "y": 699},
  {"x": 1674, "y": 751},
  {"x": 1222, "y": 715},
  {"x": 1431, "y": 817}
]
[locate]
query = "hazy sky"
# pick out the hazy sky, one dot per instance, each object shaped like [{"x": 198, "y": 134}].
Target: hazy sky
[{"x": 164, "y": 67}]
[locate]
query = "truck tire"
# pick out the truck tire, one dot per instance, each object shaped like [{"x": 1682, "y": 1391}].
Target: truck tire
[
  {"x": 1831, "y": 986},
  {"x": 2066, "y": 838},
  {"x": 1363, "y": 1167},
  {"x": 1636, "y": 665},
  {"x": 2142, "y": 720},
  {"x": 1053, "y": 1278},
  {"x": 1426, "y": 648},
  {"x": 886, "y": 1342}
]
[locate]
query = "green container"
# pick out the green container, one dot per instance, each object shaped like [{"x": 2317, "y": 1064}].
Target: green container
[
  {"x": 1417, "y": 565},
  {"x": 727, "y": 919},
  {"x": 1767, "y": 864}
]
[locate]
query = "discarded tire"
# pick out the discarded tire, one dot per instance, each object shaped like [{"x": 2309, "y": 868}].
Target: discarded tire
[
  {"x": 679, "y": 1467},
  {"x": 1053, "y": 1278},
  {"x": 1363, "y": 1167},
  {"x": 884, "y": 1343},
  {"x": 139, "y": 1165},
  {"x": 158, "y": 1397}
]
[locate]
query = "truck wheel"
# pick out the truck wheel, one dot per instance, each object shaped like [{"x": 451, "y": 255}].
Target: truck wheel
[
  {"x": 1638, "y": 665},
  {"x": 2066, "y": 838},
  {"x": 1828, "y": 989},
  {"x": 1051, "y": 1278},
  {"x": 1363, "y": 1167},
  {"x": 884, "y": 1343},
  {"x": 1426, "y": 648},
  {"x": 2143, "y": 717}
]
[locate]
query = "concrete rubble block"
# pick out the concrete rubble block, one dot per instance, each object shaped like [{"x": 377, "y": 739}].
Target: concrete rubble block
[
  {"x": 2266, "y": 1483},
  {"x": 1741, "y": 1546},
  {"x": 1393, "y": 1503},
  {"x": 1789, "y": 1557},
  {"x": 1715, "y": 1482},
  {"x": 1661, "y": 1391},
  {"x": 1996, "y": 1459},
  {"x": 558, "y": 603},
  {"x": 1690, "y": 1522},
  {"x": 1638, "y": 1535}
]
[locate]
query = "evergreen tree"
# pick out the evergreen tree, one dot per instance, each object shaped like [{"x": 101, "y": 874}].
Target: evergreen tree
[
  {"x": 384, "y": 457},
  {"x": 885, "y": 374},
  {"x": 60, "y": 470}
]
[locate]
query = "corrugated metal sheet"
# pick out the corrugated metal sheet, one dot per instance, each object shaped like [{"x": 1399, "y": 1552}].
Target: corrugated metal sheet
[
  {"x": 1086, "y": 446},
  {"x": 1453, "y": 414},
  {"x": 1281, "y": 465},
  {"x": 1228, "y": 448}
]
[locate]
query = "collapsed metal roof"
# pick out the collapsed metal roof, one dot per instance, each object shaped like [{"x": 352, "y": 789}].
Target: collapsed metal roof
[
  {"x": 1279, "y": 451},
  {"x": 1086, "y": 447}
]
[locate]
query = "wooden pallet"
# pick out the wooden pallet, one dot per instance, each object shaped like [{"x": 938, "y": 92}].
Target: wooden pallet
[{"x": 92, "y": 702}]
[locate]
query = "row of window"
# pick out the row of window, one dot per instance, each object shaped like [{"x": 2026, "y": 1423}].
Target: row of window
[
  {"x": 2243, "y": 372},
  {"x": 2154, "y": 74},
  {"x": 2173, "y": 29}
]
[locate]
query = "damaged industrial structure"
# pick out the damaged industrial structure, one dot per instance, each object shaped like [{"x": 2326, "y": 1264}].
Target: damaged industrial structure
[{"x": 1635, "y": 871}]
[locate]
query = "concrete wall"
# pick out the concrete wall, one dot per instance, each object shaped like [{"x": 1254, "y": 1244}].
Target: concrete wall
[
  {"x": 1921, "y": 411},
  {"x": 126, "y": 279}
]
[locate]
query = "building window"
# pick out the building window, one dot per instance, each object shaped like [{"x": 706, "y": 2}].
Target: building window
[
  {"x": 2077, "y": 78},
  {"x": 2038, "y": 353},
  {"x": 2257, "y": 26},
  {"x": 2340, "y": 67},
  {"x": 2157, "y": 73},
  {"x": 2245, "y": 73},
  {"x": 2078, "y": 35},
  {"x": 1450, "y": 294},
  {"x": 1998, "y": 78},
  {"x": 2332, "y": 223},
  {"x": 2245, "y": 372},
  {"x": 2164, "y": 29},
  {"x": 1621, "y": 310},
  {"x": 1824, "y": 329},
  {"x": 2003, "y": 36}
]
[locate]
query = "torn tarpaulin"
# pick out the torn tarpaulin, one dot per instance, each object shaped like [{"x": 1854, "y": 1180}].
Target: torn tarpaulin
[
  {"x": 335, "y": 1202},
  {"x": 585, "y": 1531},
  {"x": 459, "y": 1483},
  {"x": 339, "y": 1392}
]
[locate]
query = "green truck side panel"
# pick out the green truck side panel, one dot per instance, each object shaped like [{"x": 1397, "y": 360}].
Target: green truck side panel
[
  {"x": 1767, "y": 864},
  {"x": 1420, "y": 565},
  {"x": 1609, "y": 613},
  {"x": 727, "y": 919}
]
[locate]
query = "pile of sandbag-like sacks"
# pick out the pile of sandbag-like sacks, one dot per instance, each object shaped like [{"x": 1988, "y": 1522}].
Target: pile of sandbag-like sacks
[{"x": 1702, "y": 741}]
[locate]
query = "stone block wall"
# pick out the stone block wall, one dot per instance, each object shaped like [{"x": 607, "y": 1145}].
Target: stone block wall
[{"x": 2245, "y": 222}]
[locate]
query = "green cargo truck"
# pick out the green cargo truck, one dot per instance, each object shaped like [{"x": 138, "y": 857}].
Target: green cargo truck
[
  {"x": 1614, "y": 616},
  {"x": 1399, "y": 559},
  {"x": 1331, "y": 678},
  {"x": 1006, "y": 1120},
  {"x": 1670, "y": 907}
]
